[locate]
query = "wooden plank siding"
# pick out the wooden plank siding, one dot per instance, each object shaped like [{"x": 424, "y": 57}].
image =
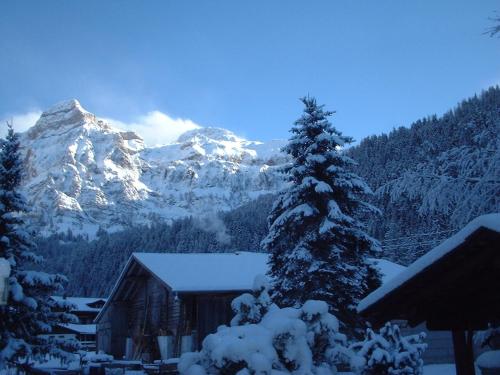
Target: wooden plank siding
[
  {"x": 138, "y": 311},
  {"x": 439, "y": 343},
  {"x": 143, "y": 308},
  {"x": 213, "y": 311}
]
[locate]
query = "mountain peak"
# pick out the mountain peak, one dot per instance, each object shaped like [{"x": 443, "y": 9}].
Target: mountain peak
[
  {"x": 63, "y": 115},
  {"x": 209, "y": 133},
  {"x": 65, "y": 106}
]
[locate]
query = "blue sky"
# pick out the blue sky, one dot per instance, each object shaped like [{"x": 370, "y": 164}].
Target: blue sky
[{"x": 242, "y": 65}]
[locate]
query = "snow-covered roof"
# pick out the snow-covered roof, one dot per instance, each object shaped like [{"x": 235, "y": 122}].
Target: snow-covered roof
[
  {"x": 206, "y": 271},
  {"x": 81, "y": 303},
  {"x": 84, "y": 329},
  {"x": 222, "y": 271},
  {"x": 214, "y": 272},
  {"x": 388, "y": 270},
  {"x": 490, "y": 221},
  {"x": 198, "y": 272}
]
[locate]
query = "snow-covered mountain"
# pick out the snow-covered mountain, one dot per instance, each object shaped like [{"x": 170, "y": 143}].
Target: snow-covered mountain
[{"x": 82, "y": 173}]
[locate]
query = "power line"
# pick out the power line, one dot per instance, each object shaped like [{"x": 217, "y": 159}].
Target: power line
[
  {"x": 418, "y": 235},
  {"x": 411, "y": 245}
]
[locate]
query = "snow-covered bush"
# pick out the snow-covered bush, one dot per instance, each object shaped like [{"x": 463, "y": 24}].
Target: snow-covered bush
[
  {"x": 302, "y": 340},
  {"x": 488, "y": 338},
  {"x": 388, "y": 353},
  {"x": 250, "y": 308}
]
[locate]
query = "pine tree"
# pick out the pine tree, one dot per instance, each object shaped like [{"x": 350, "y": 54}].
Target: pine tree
[
  {"x": 30, "y": 310},
  {"x": 317, "y": 244}
]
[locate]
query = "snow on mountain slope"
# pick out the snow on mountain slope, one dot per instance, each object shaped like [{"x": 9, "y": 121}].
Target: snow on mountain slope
[{"x": 82, "y": 174}]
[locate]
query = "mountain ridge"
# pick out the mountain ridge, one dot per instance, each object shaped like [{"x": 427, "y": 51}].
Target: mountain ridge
[{"x": 83, "y": 174}]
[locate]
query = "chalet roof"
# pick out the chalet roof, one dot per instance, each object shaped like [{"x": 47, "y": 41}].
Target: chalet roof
[
  {"x": 82, "y": 304},
  {"x": 388, "y": 270},
  {"x": 205, "y": 272},
  {"x": 209, "y": 272},
  {"x": 462, "y": 267},
  {"x": 222, "y": 271},
  {"x": 84, "y": 329}
]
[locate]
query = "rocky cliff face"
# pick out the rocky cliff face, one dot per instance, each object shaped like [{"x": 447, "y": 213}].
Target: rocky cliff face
[{"x": 82, "y": 174}]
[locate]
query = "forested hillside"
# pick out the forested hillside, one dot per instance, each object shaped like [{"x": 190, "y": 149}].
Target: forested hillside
[
  {"x": 92, "y": 267},
  {"x": 432, "y": 178}
]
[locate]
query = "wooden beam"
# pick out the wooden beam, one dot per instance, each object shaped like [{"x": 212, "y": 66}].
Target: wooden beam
[{"x": 464, "y": 356}]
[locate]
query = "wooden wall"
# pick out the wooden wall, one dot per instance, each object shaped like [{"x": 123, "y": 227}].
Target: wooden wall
[
  {"x": 111, "y": 330},
  {"x": 439, "y": 344},
  {"x": 139, "y": 310},
  {"x": 144, "y": 308},
  {"x": 213, "y": 310}
]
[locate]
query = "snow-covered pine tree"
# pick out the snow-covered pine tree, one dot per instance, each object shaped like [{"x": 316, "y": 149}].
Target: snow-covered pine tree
[
  {"x": 30, "y": 310},
  {"x": 318, "y": 245}
]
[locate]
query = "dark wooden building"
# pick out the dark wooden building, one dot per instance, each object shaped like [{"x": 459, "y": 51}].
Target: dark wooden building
[
  {"x": 165, "y": 304},
  {"x": 454, "y": 287}
]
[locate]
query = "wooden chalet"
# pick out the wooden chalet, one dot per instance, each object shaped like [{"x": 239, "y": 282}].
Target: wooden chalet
[
  {"x": 454, "y": 287},
  {"x": 165, "y": 304},
  {"x": 86, "y": 310}
]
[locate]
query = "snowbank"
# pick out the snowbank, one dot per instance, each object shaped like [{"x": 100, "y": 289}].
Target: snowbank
[{"x": 490, "y": 359}]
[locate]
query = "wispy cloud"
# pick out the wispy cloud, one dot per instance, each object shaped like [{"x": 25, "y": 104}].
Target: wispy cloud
[
  {"x": 157, "y": 128},
  {"x": 20, "y": 121}
]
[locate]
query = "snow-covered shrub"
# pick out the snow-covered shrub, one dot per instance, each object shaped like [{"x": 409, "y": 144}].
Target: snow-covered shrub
[
  {"x": 250, "y": 308},
  {"x": 302, "y": 340},
  {"x": 388, "y": 353},
  {"x": 323, "y": 334},
  {"x": 489, "y": 337}
]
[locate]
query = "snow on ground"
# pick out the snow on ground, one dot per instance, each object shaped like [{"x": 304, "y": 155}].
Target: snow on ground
[
  {"x": 489, "y": 359},
  {"x": 443, "y": 369},
  {"x": 490, "y": 221},
  {"x": 447, "y": 369}
]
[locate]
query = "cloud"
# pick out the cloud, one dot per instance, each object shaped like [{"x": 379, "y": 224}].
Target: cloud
[
  {"x": 157, "y": 128},
  {"x": 21, "y": 121}
]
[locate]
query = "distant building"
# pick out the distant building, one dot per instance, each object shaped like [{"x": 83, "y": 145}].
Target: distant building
[
  {"x": 86, "y": 310},
  {"x": 165, "y": 304}
]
